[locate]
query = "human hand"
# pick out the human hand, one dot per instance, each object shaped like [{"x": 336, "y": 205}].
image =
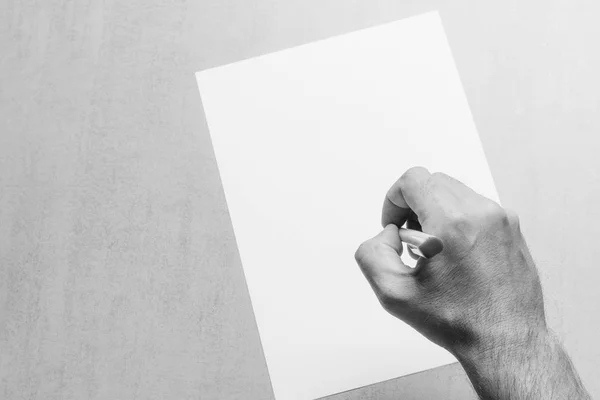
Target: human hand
[{"x": 482, "y": 292}]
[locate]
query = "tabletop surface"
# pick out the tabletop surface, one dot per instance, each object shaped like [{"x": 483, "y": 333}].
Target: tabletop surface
[{"x": 119, "y": 273}]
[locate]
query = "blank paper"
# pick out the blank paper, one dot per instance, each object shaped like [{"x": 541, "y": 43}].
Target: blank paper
[{"x": 308, "y": 140}]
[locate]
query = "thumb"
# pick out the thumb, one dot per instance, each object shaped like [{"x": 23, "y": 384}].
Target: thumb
[
  {"x": 390, "y": 237},
  {"x": 380, "y": 255}
]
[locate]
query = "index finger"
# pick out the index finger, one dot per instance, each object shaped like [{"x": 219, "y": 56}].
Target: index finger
[{"x": 406, "y": 194}]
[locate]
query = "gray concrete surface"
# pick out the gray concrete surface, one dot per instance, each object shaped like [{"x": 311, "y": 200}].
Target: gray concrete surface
[{"x": 119, "y": 274}]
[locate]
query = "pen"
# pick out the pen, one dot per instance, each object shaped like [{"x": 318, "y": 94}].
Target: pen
[{"x": 420, "y": 243}]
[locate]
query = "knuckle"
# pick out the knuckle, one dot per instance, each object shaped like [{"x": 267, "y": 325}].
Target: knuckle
[
  {"x": 412, "y": 173},
  {"x": 438, "y": 176},
  {"x": 415, "y": 170},
  {"x": 366, "y": 250},
  {"x": 361, "y": 253},
  {"x": 492, "y": 213},
  {"x": 513, "y": 218}
]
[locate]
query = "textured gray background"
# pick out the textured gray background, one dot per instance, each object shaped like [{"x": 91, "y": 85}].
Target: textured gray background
[{"x": 119, "y": 274}]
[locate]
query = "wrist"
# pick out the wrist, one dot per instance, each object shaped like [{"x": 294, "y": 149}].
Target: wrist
[
  {"x": 488, "y": 351},
  {"x": 534, "y": 367}
]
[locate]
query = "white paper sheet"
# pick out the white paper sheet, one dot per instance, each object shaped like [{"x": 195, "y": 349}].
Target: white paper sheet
[{"x": 308, "y": 140}]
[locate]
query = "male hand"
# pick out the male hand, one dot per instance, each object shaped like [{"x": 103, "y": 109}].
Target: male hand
[
  {"x": 481, "y": 292},
  {"x": 480, "y": 298}
]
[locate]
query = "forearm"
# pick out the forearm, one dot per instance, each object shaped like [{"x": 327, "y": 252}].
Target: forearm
[{"x": 536, "y": 370}]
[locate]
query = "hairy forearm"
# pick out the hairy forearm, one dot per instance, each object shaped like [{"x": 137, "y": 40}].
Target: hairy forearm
[{"x": 535, "y": 370}]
